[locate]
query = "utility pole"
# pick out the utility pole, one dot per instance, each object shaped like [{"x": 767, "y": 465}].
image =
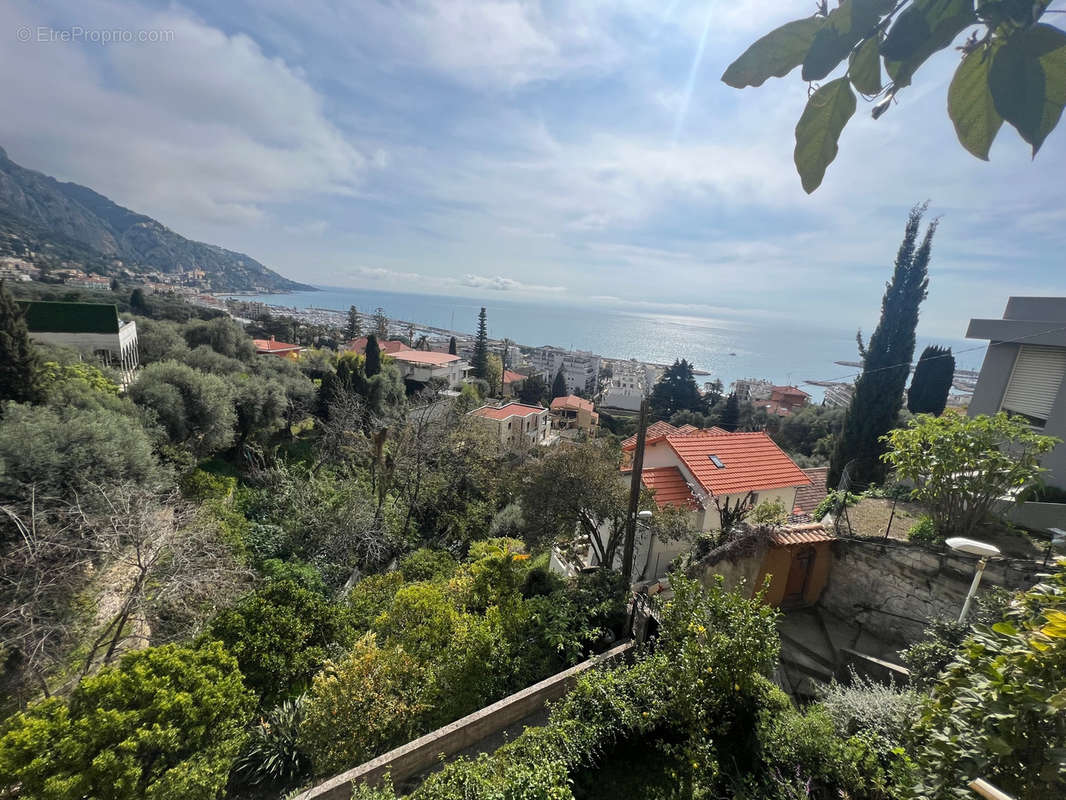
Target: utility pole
[{"x": 634, "y": 496}]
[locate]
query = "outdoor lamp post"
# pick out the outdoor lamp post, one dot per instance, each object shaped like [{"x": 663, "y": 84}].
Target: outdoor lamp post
[{"x": 974, "y": 548}]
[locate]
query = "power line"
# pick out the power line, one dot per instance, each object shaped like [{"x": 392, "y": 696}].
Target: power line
[{"x": 946, "y": 355}]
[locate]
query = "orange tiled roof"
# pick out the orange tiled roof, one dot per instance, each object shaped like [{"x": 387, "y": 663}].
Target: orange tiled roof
[
  {"x": 272, "y": 346},
  {"x": 687, "y": 429},
  {"x": 571, "y": 403},
  {"x": 807, "y": 533},
  {"x": 389, "y": 346},
  {"x": 751, "y": 462},
  {"x": 512, "y": 377},
  {"x": 509, "y": 410},
  {"x": 655, "y": 430},
  {"x": 424, "y": 357},
  {"x": 808, "y": 497},
  {"x": 789, "y": 390},
  {"x": 669, "y": 487}
]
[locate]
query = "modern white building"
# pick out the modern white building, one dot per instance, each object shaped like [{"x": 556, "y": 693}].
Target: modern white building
[
  {"x": 581, "y": 369},
  {"x": 751, "y": 390},
  {"x": 629, "y": 385},
  {"x": 92, "y": 328}
]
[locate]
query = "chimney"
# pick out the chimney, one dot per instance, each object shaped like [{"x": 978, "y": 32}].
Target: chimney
[{"x": 271, "y": 337}]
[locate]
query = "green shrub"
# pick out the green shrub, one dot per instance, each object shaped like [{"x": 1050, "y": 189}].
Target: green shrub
[
  {"x": 864, "y": 706},
  {"x": 1043, "y": 494},
  {"x": 425, "y": 564},
  {"x": 372, "y": 597},
  {"x": 165, "y": 724},
  {"x": 835, "y": 502},
  {"x": 272, "y": 756},
  {"x": 202, "y": 485},
  {"x": 359, "y": 706},
  {"x": 280, "y": 636},
  {"x": 924, "y": 532}
]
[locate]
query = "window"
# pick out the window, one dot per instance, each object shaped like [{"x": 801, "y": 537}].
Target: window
[
  {"x": 1035, "y": 383},
  {"x": 716, "y": 461}
]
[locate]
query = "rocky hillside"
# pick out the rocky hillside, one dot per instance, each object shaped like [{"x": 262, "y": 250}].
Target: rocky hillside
[{"x": 41, "y": 217}]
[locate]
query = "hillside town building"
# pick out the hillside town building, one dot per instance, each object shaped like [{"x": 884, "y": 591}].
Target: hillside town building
[
  {"x": 573, "y": 413},
  {"x": 517, "y": 426}
]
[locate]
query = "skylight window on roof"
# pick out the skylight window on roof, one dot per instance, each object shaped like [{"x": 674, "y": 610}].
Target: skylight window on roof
[{"x": 716, "y": 461}]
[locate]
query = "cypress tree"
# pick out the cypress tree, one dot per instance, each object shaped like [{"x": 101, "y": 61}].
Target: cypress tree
[
  {"x": 559, "y": 385},
  {"x": 18, "y": 361},
  {"x": 931, "y": 381},
  {"x": 480, "y": 362},
  {"x": 453, "y": 347},
  {"x": 731, "y": 413},
  {"x": 878, "y": 396},
  {"x": 676, "y": 391},
  {"x": 137, "y": 301},
  {"x": 373, "y": 356}
]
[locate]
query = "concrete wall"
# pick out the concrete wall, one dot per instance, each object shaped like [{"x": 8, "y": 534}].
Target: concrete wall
[
  {"x": 426, "y": 751},
  {"x": 1037, "y": 516},
  {"x": 894, "y": 588}
]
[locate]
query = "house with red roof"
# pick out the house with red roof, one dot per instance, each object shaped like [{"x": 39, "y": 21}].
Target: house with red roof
[
  {"x": 511, "y": 381},
  {"x": 418, "y": 366},
  {"x": 573, "y": 413},
  {"x": 517, "y": 426},
  {"x": 702, "y": 470},
  {"x": 272, "y": 347}
]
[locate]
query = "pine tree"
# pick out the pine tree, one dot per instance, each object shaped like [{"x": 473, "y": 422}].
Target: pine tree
[
  {"x": 18, "y": 361},
  {"x": 480, "y": 362},
  {"x": 381, "y": 323},
  {"x": 731, "y": 413},
  {"x": 453, "y": 347},
  {"x": 878, "y": 396},
  {"x": 676, "y": 391},
  {"x": 373, "y": 356},
  {"x": 355, "y": 325},
  {"x": 931, "y": 382},
  {"x": 559, "y": 385}
]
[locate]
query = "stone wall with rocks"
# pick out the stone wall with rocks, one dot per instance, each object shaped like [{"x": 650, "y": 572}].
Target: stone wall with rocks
[{"x": 893, "y": 588}]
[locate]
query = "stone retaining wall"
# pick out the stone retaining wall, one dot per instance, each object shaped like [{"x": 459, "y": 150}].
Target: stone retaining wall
[
  {"x": 426, "y": 751},
  {"x": 893, "y": 588}
]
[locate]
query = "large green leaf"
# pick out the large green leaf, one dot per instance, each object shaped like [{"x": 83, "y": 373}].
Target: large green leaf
[
  {"x": 864, "y": 67},
  {"x": 921, "y": 29},
  {"x": 1027, "y": 81},
  {"x": 827, "y": 112},
  {"x": 845, "y": 26},
  {"x": 775, "y": 54},
  {"x": 970, "y": 103}
]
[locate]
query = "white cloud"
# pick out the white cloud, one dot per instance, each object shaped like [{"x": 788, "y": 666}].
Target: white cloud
[
  {"x": 203, "y": 128},
  {"x": 499, "y": 283}
]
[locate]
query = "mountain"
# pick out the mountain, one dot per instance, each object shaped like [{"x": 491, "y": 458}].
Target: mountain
[{"x": 52, "y": 222}]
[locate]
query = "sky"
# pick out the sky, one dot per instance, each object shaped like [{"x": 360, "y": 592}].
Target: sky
[{"x": 573, "y": 151}]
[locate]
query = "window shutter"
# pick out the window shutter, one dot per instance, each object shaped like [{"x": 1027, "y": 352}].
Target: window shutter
[{"x": 1035, "y": 382}]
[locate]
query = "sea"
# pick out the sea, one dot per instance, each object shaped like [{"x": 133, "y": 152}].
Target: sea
[{"x": 785, "y": 352}]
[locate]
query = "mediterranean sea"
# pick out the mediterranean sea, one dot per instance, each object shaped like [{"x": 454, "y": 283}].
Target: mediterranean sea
[{"x": 728, "y": 348}]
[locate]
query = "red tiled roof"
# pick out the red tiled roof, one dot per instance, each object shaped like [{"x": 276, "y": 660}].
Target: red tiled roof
[
  {"x": 655, "y": 430},
  {"x": 389, "y": 346},
  {"x": 751, "y": 462},
  {"x": 789, "y": 390},
  {"x": 513, "y": 377},
  {"x": 807, "y": 533},
  {"x": 272, "y": 346},
  {"x": 669, "y": 487},
  {"x": 427, "y": 357},
  {"x": 509, "y": 410},
  {"x": 687, "y": 429},
  {"x": 808, "y": 497},
  {"x": 716, "y": 429},
  {"x": 571, "y": 403}
]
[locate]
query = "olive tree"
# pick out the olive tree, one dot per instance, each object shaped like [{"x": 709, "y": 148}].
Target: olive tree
[
  {"x": 961, "y": 466},
  {"x": 1012, "y": 68},
  {"x": 196, "y": 410}
]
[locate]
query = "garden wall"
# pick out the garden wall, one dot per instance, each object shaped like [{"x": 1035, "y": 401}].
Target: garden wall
[
  {"x": 426, "y": 751},
  {"x": 893, "y": 588}
]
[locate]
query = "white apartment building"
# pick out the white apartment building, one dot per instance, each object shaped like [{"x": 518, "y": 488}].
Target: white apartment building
[
  {"x": 751, "y": 390},
  {"x": 629, "y": 385},
  {"x": 581, "y": 369}
]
